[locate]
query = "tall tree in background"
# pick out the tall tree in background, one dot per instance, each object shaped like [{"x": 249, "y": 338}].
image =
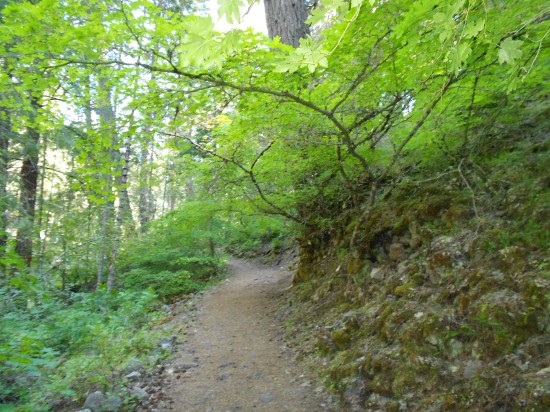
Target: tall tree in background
[
  {"x": 5, "y": 135},
  {"x": 146, "y": 203},
  {"x": 109, "y": 230},
  {"x": 28, "y": 187},
  {"x": 5, "y": 131},
  {"x": 286, "y": 19}
]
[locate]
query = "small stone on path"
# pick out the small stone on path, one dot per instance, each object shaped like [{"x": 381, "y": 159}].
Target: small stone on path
[{"x": 267, "y": 397}]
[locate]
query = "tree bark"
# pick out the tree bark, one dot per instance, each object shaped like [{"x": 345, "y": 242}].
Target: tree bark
[
  {"x": 125, "y": 209},
  {"x": 5, "y": 131},
  {"x": 68, "y": 210},
  {"x": 287, "y": 19},
  {"x": 110, "y": 231},
  {"x": 29, "y": 184},
  {"x": 103, "y": 245},
  {"x": 145, "y": 199},
  {"x": 40, "y": 221},
  {"x": 124, "y": 213}
]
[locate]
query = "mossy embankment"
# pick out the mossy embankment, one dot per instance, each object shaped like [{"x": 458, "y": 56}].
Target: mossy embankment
[{"x": 442, "y": 303}]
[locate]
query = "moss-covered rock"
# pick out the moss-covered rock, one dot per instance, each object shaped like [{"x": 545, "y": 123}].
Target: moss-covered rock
[{"x": 341, "y": 338}]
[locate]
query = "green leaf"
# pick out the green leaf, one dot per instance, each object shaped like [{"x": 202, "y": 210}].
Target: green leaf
[
  {"x": 321, "y": 14},
  {"x": 199, "y": 26},
  {"x": 230, "y": 9},
  {"x": 199, "y": 50},
  {"x": 232, "y": 41},
  {"x": 457, "y": 56},
  {"x": 440, "y": 18},
  {"x": 201, "y": 46},
  {"x": 473, "y": 29},
  {"x": 419, "y": 11},
  {"x": 310, "y": 54},
  {"x": 290, "y": 64},
  {"x": 509, "y": 51},
  {"x": 317, "y": 16}
]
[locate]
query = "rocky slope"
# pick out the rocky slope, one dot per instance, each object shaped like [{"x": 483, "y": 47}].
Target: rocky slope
[{"x": 445, "y": 303}]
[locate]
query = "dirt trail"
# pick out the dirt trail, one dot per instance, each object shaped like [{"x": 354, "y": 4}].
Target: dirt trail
[{"x": 234, "y": 357}]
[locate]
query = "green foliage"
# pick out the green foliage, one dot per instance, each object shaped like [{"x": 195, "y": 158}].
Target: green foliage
[
  {"x": 56, "y": 350},
  {"x": 178, "y": 255},
  {"x": 166, "y": 284},
  {"x": 250, "y": 234}
]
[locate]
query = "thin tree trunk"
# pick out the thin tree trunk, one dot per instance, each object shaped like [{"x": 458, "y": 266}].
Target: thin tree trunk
[
  {"x": 67, "y": 212},
  {"x": 173, "y": 198},
  {"x": 5, "y": 134},
  {"x": 147, "y": 201},
  {"x": 124, "y": 213},
  {"x": 112, "y": 268},
  {"x": 40, "y": 220},
  {"x": 170, "y": 190},
  {"x": 104, "y": 241},
  {"x": 144, "y": 195},
  {"x": 166, "y": 184},
  {"x": 211, "y": 244},
  {"x": 125, "y": 209},
  {"x": 109, "y": 233},
  {"x": 5, "y": 131},
  {"x": 29, "y": 184},
  {"x": 101, "y": 256},
  {"x": 189, "y": 189}
]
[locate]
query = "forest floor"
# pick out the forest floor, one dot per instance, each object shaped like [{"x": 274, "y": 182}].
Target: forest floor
[{"x": 234, "y": 356}]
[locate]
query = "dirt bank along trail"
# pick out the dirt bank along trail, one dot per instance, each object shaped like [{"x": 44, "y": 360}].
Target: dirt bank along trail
[{"x": 233, "y": 357}]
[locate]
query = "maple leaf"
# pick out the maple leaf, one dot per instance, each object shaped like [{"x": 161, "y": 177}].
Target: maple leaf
[
  {"x": 509, "y": 51},
  {"x": 230, "y": 9}
]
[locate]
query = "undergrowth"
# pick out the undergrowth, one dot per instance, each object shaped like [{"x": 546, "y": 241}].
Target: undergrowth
[
  {"x": 60, "y": 341},
  {"x": 54, "y": 350}
]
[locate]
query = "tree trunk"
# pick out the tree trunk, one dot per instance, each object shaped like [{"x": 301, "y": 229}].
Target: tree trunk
[
  {"x": 109, "y": 229},
  {"x": 124, "y": 213},
  {"x": 29, "y": 184},
  {"x": 40, "y": 221},
  {"x": 103, "y": 245},
  {"x": 145, "y": 200},
  {"x": 125, "y": 209},
  {"x": 166, "y": 187},
  {"x": 287, "y": 19},
  {"x": 189, "y": 189},
  {"x": 112, "y": 268},
  {"x": 146, "y": 204},
  {"x": 5, "y": 131}
]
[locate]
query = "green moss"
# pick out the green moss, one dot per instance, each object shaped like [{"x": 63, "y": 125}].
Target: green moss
[
  {"x": 305, "y": 291},
  {"x": 404, "y": 290},
  {"x": 381, "y": 383},
  {"x": 404, "y": 381},
  {"x": 393, "y": 406},
  {"x": 341, "y": 338},
  {"x": 417, "y": 279},
  {"x": 324, "y": 344}
]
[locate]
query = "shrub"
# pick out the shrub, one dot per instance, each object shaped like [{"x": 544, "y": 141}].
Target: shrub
[{"x": 166, "y": 284}]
